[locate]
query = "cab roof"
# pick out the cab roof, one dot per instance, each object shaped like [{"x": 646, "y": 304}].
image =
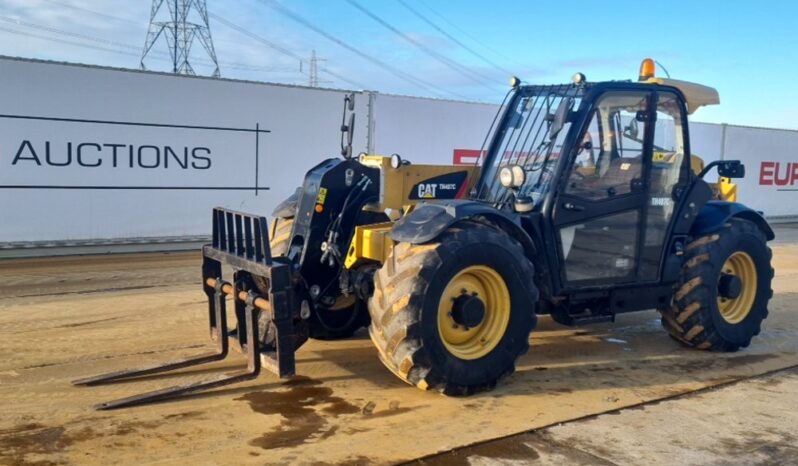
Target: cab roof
[{"x": 695, "y": 95}]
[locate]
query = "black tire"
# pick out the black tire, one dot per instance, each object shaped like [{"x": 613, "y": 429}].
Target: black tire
[
  {"x": 404, "y": 309},
  {"x": 280, "y": 235},
  {"x": 695, "y": 318},
  {"x": 326, "y": 324},
  {"x": 323, "y": 324}
]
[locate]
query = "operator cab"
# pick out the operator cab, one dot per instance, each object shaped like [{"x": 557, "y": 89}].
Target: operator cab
[{"x": 605, "y": 164}]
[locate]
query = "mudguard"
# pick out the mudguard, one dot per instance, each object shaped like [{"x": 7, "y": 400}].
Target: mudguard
[
  {"x": 427, "y": 221},
  {"x": 715, "y": 214}
]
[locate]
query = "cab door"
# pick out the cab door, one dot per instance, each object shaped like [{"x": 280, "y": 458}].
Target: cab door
[{"x": 600, "y": 208}]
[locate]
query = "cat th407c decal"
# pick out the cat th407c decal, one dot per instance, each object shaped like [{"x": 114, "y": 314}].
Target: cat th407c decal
[{"x": 448, "y": 186}]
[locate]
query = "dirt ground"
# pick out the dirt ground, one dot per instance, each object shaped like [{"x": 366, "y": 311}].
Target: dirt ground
[{"x": 66, "y": 318}]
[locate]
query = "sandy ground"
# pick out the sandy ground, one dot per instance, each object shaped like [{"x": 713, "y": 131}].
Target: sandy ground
[
  {"x": 66, "y": 318},
  {"x": 744, "y": 422}
]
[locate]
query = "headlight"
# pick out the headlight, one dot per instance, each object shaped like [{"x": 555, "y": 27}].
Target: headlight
[
  {"x": 512, "y": 176},
  {"x": 396, "y": 161}
]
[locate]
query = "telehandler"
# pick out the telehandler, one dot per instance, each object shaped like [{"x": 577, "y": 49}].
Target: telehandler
[{"x": 586, "y": 203}]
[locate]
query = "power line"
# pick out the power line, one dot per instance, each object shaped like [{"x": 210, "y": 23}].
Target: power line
[
  {"x": 227, "y": 65},
  {"x": 231, "y": 65},
  {"x": 454, "y": 39},
  {"x": 258, "y": 38},
  {"x": 476, "y": 77},
  {"x": 64, "y": 41},
  {"x": 463, "y": 31},
  {"x": 65, "y": 33},
  {"x": 280, "y": 49},
  {"x": 123, "y": 52},
  {"x": 160, "y": 54},
  {"x": 104, "y": 15},
  {"x": 399, "y": 73}
]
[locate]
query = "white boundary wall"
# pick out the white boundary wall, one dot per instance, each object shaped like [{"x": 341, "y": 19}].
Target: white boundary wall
[
  {"x": 90, "y": 153},
  {"x": 84, "y": 199}
]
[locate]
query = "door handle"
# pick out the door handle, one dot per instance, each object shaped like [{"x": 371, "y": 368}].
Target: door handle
[{"x": 572, "y": 206}]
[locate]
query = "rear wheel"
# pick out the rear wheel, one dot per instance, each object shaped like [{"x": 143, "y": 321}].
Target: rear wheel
[
  {"x": 724, "y": 291},
  {"x": 454, "y": 315},
  {"x": 342, "y": 320},
  {"x": 280, "y": 236}
]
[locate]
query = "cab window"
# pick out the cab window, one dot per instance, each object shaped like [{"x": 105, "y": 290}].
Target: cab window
[{"x": 609, "y": 155}]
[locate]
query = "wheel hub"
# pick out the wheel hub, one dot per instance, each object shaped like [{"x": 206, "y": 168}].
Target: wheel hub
[
  {"x": 473, "y": 312},
  {"x": 468, "y": 310},
  {"x": 737, "y": 286},
  {"x": 730, "y": 286}
]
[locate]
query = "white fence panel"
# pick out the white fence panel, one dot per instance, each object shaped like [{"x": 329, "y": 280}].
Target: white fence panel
[
  {"x": 88, "y": 153},
  {"x": 428, "y": 130},
  {"x": 705, "y": 140},
  {"x": 771, "y": 162},
  {"x": 91, "y": 153}
]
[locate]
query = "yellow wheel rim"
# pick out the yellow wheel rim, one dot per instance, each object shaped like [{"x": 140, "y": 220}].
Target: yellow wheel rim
[
  {"x": 741, "y": 265},
  {"x": 488, "y": 286}
]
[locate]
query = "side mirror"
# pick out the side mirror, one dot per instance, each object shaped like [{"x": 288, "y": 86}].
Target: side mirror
[
  {"x": 560, "y": 116},
  {"x": 726, "y": 168},
  {"x": 350, "y": 131},
  {"x": 731, "y": 169}
]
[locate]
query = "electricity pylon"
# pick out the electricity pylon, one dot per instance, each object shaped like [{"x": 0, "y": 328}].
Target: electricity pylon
[{"x": 187, "y": 20}]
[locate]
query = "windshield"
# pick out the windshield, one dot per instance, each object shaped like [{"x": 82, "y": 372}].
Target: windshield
[{"x": 524, "y": 138}]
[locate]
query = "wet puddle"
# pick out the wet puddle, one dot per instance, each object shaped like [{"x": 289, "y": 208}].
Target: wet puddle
[{"x": 306, "y": 408}]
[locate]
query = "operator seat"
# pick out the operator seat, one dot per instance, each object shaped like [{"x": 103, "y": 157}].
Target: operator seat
[{"x": 620, "y": 172}]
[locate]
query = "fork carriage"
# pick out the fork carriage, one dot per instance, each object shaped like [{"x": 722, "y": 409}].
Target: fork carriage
[{"x": 240, "y": 241}]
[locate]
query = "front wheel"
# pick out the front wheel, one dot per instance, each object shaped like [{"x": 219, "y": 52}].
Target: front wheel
[
  {"x": 454, "y": 315},
  {"x": 348, "y": 315},
  {"x": 725, "y": 289}
]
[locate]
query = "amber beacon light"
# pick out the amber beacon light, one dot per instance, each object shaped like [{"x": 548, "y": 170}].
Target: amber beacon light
[{"x": 647, "y": 69}]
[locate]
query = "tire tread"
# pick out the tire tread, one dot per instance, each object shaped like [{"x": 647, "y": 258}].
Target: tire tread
[
  {"x": 395, "y": 308},
  {"x": 689, "y": 319}
]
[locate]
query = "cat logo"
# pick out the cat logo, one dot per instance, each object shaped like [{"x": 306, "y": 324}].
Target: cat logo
[
  {"x": 427, "y": 190},
  {"x": 446, "y": 186}
]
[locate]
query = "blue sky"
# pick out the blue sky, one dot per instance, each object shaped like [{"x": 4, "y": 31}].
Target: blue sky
[{"x": 747, "y": 50}]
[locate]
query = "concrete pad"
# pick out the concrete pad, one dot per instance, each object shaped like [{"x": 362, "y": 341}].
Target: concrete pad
[
  {"x": 748, "y": 422},
  {"x": 85, "y": 317}
]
